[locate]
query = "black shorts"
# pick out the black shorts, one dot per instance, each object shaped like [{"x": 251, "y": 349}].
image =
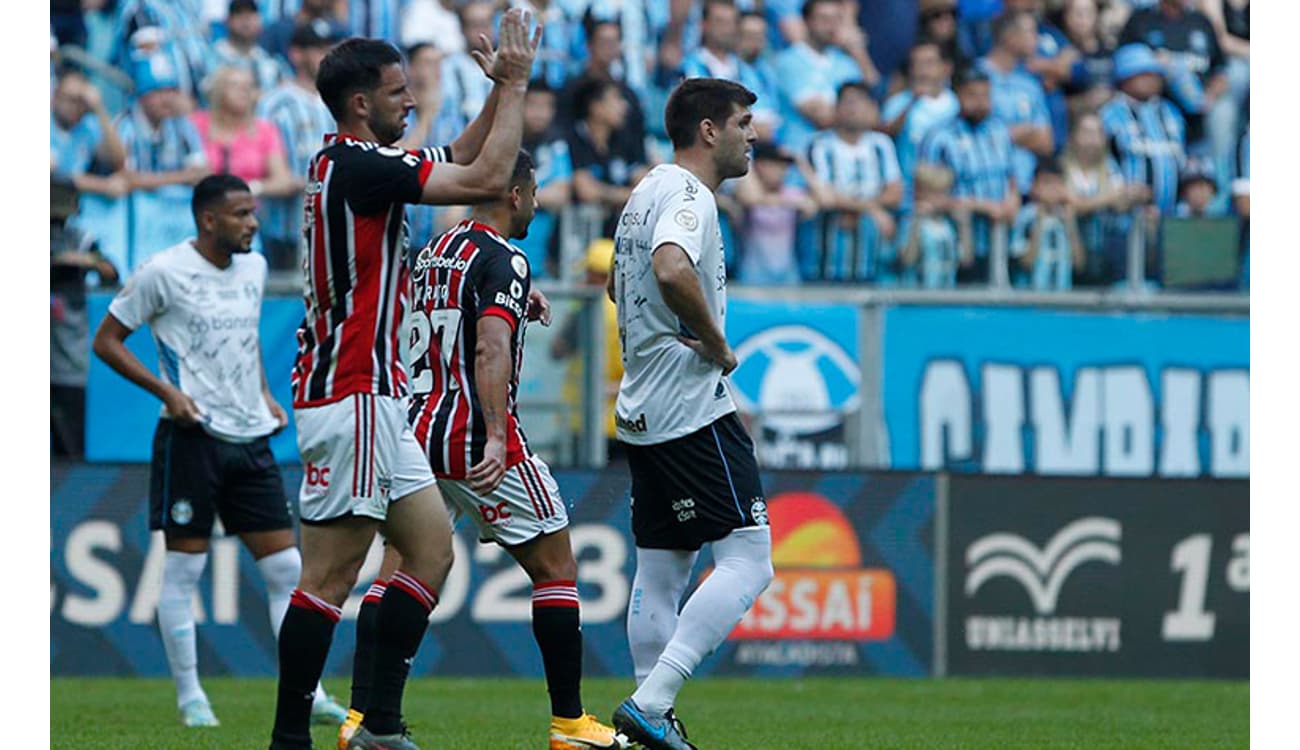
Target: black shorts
[
  {"x": 194, "y": 477},
  {"x": 697, "y": 488}
]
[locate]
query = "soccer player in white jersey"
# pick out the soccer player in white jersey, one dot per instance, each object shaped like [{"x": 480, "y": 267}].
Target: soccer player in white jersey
[
  {"x": 203, "y": 299},
  {"x": 695, "y": 478},
  {"x": 366, "y": 473}
]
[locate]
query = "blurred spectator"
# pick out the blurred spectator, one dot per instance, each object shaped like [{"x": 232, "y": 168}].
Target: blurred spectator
[
  {"x": 175, "y": 28},
  {"x": 931, "y": 250},
  {"x": 1089, "y": 88},
  {"x": 568, "y": 344},
  {"x": 975, "y": 32},
  {"x": 1241, "y": 200},
  {"x": 424, "y": 64},
  {"x": 81, "y": 134},
  {"x": 606, "y": 163},
  {"x": 276, "y": 37},
  {"x": 302, "y": 120},
  {"x": 73, "y": 257},
  {"x": 858, "y": 185},
  {"x": 432, "y": 22},
  {"x": 1196, "y": 188},
  {"x": 640, "y": 23},
  {"x": 376, "y": 19},
  {"x": 604, "y": 39},
  {"x": 1101, "y": 199},
  {"x": 977, "y": 148},
  {"x": 1146, "y": 131},
  {"x": 910, "y": 114},
  {"x": 1231, "y": 22},
  {"x": 239, "y": 142},
  {"x": 1045, "y": 242},
  {"x": 164, "y": 158},
  {"x": 939, "y": 25},
  {"x": 1018, "y": 98},
  {"x": 465, "y": 87},
  {"x": 811, "y": 72},
  {"x": 717, "y": 58},
  {"x": 752, "y": 47},
  {"x": 554, "y": 170},
  {"x": 239, "y": 48},
  {"x": 1053, "y": 63},
  {"x": 774, "y": 203},
  {"x": 561, "y": 40},
  {"x": 1188, "y": 49}
]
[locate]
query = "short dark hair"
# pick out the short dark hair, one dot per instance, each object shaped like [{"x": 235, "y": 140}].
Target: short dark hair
[
  {"x": 540, "y": 86},
  {"x": 710, "y": 3},
  {"x": 1005, "y": 22},
  {"x": 857, "y": 86},
  {"x": 212, "y": 190},
  {"x": 524, "y": 166},
  {"x": 698, "y": 99},
  {"x": 590, "y": 22},
  {"x": 416, "y": 49},
  {"x": 810, "y": 5},
  {"x": 924, "y": 41},
  {"x": 241, "y": 6},
  {"x": 589, "y": 91},
  {"x": 355, "y": 65},
  {"x": 1048, "y": 166},
  {"x": 968, "y": 74}
]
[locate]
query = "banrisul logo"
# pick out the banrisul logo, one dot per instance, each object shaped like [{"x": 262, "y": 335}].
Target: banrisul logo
[{"x": 1042, "y": 572}]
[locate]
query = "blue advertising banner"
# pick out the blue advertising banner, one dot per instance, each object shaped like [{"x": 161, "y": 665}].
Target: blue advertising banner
[
  {"x": 854, "y": 588},
  {"x": 799, "y": 375},
  {"x": 120, "y": 417},
  {"x": 1032, "y": 391}
]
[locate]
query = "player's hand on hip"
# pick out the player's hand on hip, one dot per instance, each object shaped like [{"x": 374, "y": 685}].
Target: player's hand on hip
[
  {"x": 513, "y": 63},
  {"x": 485, "y": 476},
  {"x": 726, "y": 359},
  {"x": 539, "y": 307},
  {"x": 182, "y": 408}
]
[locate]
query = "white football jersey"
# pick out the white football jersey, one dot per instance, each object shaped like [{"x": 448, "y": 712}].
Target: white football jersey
[
  {"x": 667, "y": 389},
  {"x": 204, "y": 320}
]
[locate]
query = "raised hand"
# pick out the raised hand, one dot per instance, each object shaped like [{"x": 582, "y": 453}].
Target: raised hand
[{"x": 512, "y": 62}]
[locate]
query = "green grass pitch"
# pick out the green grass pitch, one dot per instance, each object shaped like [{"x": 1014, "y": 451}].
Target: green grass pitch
[{"x": 721, "y": 714}]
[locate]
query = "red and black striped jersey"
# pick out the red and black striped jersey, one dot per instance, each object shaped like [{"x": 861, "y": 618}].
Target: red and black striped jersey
[
  {"x": 465, "y": 274},
  {"x": 356, "y": 278}
]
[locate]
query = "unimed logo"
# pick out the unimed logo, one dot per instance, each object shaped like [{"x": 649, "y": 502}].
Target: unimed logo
[{"x": 1042, "y": 573}]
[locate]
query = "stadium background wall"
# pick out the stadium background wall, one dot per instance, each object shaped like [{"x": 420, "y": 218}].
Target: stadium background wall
[{"x": 881, "y": 573}]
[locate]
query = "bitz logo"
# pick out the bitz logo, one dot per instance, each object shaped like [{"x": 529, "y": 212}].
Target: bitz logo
[{"x": 1042, "y": 573}]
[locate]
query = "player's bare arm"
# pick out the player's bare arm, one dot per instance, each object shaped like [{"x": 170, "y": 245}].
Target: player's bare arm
[
  {"x": 110, "y": 346},
  {"x": 681, "y": 291},
  {"x": 492, "y": 378},
  {"x": 486, "y": 177},
  {"x": 277, "y": 411}
]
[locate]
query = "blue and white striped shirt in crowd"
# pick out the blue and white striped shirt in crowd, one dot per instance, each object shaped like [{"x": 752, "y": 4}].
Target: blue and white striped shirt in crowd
[
  {"x": 274, "y": 10},
  {"x": 173, "y": 146},
  {"x": 1149, "y": 139},
  {"x": 1053, "y": 268},
  {"x": 921, "y": 117},
  {"x": 267, "y": 70},
  {"x": 464, "y": 91},
  {"x": 72, "y": 151},
  {"x": 980, "y": 159},
  {"x": 862, "y": 170},
  {"x": 704, "y": 64},
  {"x": 183, "y": 31},
  {"x": 804, "y": 74},
  {"x": 562, "y": 42},
  {"x": 303, "y": 120},
  {"x": 1018, "y": 99},
  {"x": 378, "y": 19}
]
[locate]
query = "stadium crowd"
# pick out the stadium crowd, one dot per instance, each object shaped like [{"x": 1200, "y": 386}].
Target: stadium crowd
[{"x": 900, "y": 140}]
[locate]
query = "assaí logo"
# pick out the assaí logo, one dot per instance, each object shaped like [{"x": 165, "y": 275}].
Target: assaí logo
[
  {"x": 802, "y": 383},
  {"x": 821, "y": 592},
  {"x": 1042, "y": 573}
]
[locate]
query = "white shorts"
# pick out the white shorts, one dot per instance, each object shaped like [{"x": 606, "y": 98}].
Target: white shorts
[
  {"x": 358, "y": 455},
  {"x": 524, "y": 506}
]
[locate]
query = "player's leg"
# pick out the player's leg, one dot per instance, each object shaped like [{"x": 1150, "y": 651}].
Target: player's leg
[
  {"x": 419, "y": 528},
  {"x": 716, "y": 470},
  {"x": 332, "y": 555},
  {"x": 182, "y": 488},
  {"x": 363, "y": 658}
]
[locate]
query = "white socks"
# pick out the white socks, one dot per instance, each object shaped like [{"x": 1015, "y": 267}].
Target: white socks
[
  {"x": 280, "y": 573},
  {"x": 742, "y": 570},
  {"x": 181, "y": 572},
  {"x": 661, "y": 578}
]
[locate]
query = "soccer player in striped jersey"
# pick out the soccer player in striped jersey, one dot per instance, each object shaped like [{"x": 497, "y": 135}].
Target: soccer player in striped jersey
[
  {"x": 365, "y": 472},
  {"x": 472, "y": 297}
]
